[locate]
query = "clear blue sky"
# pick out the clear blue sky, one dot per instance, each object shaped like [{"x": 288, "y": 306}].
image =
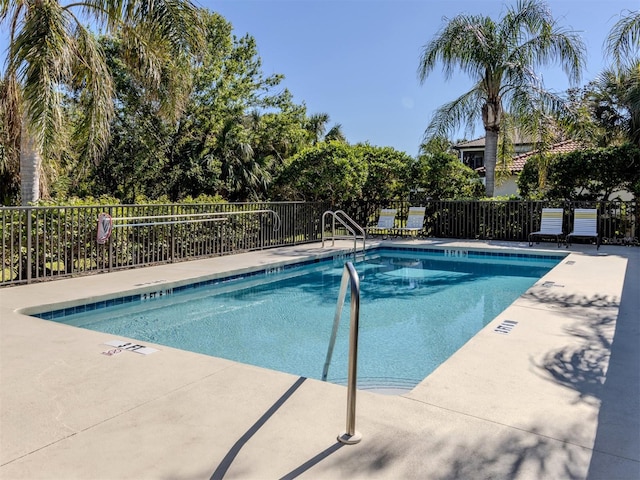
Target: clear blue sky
[{"x": 357, "y": 60}]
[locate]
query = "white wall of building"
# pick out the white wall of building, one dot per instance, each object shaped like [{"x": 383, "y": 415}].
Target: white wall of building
[{"x": 509, "y": 187}]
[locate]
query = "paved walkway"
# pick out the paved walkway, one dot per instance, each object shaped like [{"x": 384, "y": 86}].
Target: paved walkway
[{"x": 557, "y": 397}]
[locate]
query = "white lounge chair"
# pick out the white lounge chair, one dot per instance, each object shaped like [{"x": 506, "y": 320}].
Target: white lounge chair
[
  {"x": 415, "y": 221},
  {"x": 585, "y": 224},
  {"x": 386, "y": 222},
  {"x": 550, "y": 225}
]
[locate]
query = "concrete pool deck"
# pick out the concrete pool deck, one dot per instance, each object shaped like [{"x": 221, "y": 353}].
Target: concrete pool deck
[{"x": 557, "y": 396}]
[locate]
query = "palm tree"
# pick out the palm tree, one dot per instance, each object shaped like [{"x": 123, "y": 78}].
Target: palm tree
[
  {"x": 53, "y": 57},
  {"x": 336, "y": 134},
  {"x": 623, "y": 41},
  {"x": 615, "y": 103},
  {"x": 316, "y": 125},
  {"x": 246, "y": 177},
  {"x": 623, "y": 80},
  {"x": 501, "y": 59}
]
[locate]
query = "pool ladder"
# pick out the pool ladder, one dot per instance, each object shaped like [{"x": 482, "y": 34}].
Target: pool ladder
[
  {"x": 356, "y": 231},
  {"x": 349, "y": 278}
]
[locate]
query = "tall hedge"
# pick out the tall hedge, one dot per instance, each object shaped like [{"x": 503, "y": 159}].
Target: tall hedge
[{"x": 590, "y": 174}]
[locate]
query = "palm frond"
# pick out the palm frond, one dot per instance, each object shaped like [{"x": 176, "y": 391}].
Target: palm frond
[
  {"x": 42, "y": 54},
  {"x": 465, "y": 43},
  {"x": 616, "y": 97},
  {"x": 623, "y": 42},
  {"x": 10, "y": 122},
  {"x": 336, "y": 133},
  {"x": 92, "y": 79},
  {"x": 10, "y": 110},
  {"x": 533, "y": 38},
  {"x": 159, "y": 39},
  {"x": 465, "y": 111}
]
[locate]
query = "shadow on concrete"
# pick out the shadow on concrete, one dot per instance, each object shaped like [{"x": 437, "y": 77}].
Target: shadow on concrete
[
  {"x": 221, "y": 470},
  {"x": 438, "y": 455},
  {"x": 582, "y": 365},
  {"x": 604, "y": 369},
  {"x": 619, "y": 416},
  {"x": 312, "y": 461}
]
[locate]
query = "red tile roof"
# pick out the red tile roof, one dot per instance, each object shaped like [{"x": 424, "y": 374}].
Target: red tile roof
[{"x": 519, "y": 160}]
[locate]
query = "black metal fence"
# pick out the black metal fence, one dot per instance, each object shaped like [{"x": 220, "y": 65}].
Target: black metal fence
[
  {"x": 40, "y": 243},
  {"x": 502, "y": 220}
]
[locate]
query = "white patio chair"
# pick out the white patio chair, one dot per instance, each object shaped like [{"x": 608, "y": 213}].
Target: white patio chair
[
  {"x": 386, "y": 222},
  {"x": 585, "y": 224},
  {"x": 550, "y": 225},
  {"x": 415, "y": 221}
]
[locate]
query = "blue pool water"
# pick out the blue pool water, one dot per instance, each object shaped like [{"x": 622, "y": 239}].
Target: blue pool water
[{"x": 416, "y": 310}]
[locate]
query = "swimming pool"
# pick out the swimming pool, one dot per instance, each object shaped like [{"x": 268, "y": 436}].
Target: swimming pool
[{"x": 417, "y": 308}]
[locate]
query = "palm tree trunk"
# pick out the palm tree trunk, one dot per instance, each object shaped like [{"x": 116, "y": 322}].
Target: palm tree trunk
[
  {"x": 30, "y": 162},
  {"x": 490, "y": 155}
]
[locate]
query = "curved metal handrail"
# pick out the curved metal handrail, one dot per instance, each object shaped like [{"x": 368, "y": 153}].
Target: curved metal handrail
[
  {"x": 349, "y": 277},
  {"x": 337, "y": 216}
]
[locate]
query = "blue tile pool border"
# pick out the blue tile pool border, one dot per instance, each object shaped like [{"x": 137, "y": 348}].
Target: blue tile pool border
[{"x": 63, "y": 312}]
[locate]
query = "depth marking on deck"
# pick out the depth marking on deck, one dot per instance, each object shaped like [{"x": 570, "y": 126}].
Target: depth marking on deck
[
  {"x": 121, "y": 345},
  {"x": 505, "y": 327}
]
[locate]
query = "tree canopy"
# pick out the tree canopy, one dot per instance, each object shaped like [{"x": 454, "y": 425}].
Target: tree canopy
[
  {"x": 168, "y": 103},
  {"x": 337, "y": 172},
  {"x": 501, "y": 58},
  {"x": 53, "y": 55},
  {"x": 443, "y": 176}
]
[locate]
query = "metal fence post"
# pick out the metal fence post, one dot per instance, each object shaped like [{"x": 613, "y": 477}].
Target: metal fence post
[
  {"x": 29, "y": 259},
  {"x": 173, "y": 236}
]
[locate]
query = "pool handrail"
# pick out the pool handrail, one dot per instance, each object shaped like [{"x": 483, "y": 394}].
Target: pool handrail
[
  {"x": 349, "y": 277},
  {"x": 351, "y": 226}
]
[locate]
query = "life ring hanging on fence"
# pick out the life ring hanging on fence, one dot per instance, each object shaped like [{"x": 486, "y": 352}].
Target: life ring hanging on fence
[{"x": 105, "y": 225}]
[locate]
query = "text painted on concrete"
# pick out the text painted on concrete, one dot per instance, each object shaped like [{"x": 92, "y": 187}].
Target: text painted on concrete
[
  {"x": 123, "y": 345},
  {"x": 505, "y": 327}
]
